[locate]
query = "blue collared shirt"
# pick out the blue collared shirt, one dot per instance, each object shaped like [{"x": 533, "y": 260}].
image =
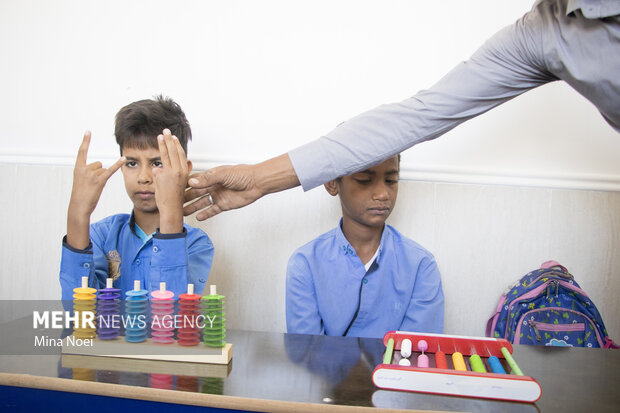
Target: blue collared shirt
[
  {"x": 117, "y": 252},
  {"x": 576, "y": 41},
  {"x": 328, "y": 290}
]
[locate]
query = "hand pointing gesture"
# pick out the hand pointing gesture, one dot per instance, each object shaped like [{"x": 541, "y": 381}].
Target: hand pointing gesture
[{"x": 88, "y": 183}]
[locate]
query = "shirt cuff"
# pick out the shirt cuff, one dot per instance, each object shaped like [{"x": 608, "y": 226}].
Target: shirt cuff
[
  {"x": 312, "y": 164},
  {"x": 159, "y": 235},
  {"x": 87, "y": 250},
  {"x": 169, "y": 250}
]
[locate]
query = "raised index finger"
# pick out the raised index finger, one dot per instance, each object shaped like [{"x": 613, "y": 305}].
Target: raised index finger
[
  {"x": 163, "y": 151},
  {"x": 83, "y": 151}
]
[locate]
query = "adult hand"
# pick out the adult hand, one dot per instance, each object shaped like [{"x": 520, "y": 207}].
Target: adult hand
[
  {"x": 230, "y": 187},
  {"x": 221, "y": 189},
  {"x": 88, "y": 183},
  {"x": 170, "y": 181}
]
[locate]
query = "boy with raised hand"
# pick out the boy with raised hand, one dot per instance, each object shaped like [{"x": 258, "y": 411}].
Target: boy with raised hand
[
  {"x": 364, "y": 278},
  {"x": 152, "y": 244}
]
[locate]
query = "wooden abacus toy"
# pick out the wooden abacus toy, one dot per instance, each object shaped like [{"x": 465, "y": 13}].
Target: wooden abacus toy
[
  {"x": 83, "y": 304},
  {"x": 194, "y": 311},
  {"x": 478, "y": 367}
]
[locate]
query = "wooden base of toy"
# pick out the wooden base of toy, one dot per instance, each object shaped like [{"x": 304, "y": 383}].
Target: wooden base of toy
[
  {"x": 452, "y": 382},
  {"x": 174, "y": 368},
  {"x": 148, "y": 350}
]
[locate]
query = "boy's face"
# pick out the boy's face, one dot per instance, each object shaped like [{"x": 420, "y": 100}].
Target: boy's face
[
  {"x": 368, "y": 197},
  {"x": 138, "y": 177}
]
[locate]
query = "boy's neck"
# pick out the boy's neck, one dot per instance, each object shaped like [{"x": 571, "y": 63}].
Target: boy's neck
[
  {"x": 365, "y": 240},
  {"x": 147, "y": 221}
]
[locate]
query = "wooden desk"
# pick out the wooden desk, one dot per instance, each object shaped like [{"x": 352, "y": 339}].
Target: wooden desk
[{"x": 284, "y": 373}]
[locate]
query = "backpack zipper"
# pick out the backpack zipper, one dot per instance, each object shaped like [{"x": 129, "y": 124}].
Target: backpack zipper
[
  {"x": 537, "y": 326},
  {"x": 517, "y": 333},
  {"x": 533, "y": 327},
  {"x": 551, "y": 274},
  {"x": 553, "y": 283}
]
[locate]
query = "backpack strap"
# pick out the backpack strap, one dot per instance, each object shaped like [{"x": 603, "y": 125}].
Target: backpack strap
[
  {"x": 551, "y": 263},
  {"x": 493, "y": 319},
  {"x": 609, "y": 343}
]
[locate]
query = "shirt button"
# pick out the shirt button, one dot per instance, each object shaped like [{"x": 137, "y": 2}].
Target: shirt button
[
  {"x": 155, "y": 249},
  {"x": 138, "y": 261},
  {"x": 365, "y": 280},
  {"x": 86, "y": 265},
  {"x": 202, "y": 280}
]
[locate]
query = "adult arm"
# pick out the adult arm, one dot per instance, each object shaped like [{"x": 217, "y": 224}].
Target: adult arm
[{"x": 507, "y": 65}]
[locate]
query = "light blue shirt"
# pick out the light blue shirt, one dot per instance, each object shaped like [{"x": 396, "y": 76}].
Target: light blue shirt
[
  {"x": 117, "y": 252},
  {"x": 328, "y": 290},
  {"x": 577, "y": 41}
]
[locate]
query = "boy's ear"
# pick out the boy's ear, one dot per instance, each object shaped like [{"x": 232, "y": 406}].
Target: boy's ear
[
  {"x": 189, "y": 166},
  {"x": 331, "y": 187}
]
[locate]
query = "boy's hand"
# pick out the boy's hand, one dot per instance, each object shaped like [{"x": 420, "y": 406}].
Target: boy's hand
[
  {"x": 88, "y": 183},
  {"x": 170, "y": 182}
]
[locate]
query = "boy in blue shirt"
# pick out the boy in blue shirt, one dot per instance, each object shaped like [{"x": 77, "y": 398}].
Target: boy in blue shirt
[
  {"x": 364, "y": 278},
  {"x": 152, "y": 244}
]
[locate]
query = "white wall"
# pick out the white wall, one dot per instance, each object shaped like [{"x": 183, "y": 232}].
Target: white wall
[
  {"x": 272, "y": 74},
  {"x": 258, "y": 78}
]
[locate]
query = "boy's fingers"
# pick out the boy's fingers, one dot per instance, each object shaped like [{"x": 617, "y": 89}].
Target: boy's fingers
[
  {"x": 95, "y": 166},
  {"x": 173, "y": 154},
  {"x": 115, "y": 167},
  {"x": 83, "y": 151},
  {"x": 163, "y": 151},
  {"x": 180, "y": 152}
]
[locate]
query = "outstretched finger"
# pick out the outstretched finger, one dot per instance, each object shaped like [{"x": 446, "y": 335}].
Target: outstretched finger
[
  {"x": 171, "y": 144},
  {"x": 210, "y": 212},
  {"x": 202, "y": 202},
  {"x": 204, "y": 179},
  {"x": 195, "y": 193},
  {"x": 163, "y": 151},
  {"x": 83, "y": 151},
  {"x": 207, "y": 205},
  {"x": 115, "y": 167},
  {"x": 180, "y": 152}
]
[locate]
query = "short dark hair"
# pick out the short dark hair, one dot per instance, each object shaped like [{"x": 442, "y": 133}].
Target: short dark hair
[
  {"x": 339, "y": 179},
  {"x": 139, "y": 123}
]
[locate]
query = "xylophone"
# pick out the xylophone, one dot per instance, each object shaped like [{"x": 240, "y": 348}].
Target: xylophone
[{"x": 476, "y": 367}]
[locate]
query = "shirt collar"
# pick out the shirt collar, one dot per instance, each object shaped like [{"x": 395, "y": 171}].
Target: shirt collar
[
  {"x": 345, "y": 246},
  {"x": 137, "y": 230},
  {"x": 594, "y": 9}
]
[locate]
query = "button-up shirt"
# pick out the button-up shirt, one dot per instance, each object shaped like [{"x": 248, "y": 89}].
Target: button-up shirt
[
  {"x": 328, "y": 290},
  {"x": 577, "y": 41},
  {"x": 117, "y": 251}
]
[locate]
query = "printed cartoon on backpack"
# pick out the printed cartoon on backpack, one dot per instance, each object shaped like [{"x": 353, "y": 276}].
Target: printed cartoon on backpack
[{"x": 547, "y": 307}]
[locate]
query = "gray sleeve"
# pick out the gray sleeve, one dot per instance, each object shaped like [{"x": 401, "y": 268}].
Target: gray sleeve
[{"x": 507, "y": 65}]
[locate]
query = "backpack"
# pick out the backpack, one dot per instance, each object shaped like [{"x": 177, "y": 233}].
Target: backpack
[{"x": 547, "y": 307}]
